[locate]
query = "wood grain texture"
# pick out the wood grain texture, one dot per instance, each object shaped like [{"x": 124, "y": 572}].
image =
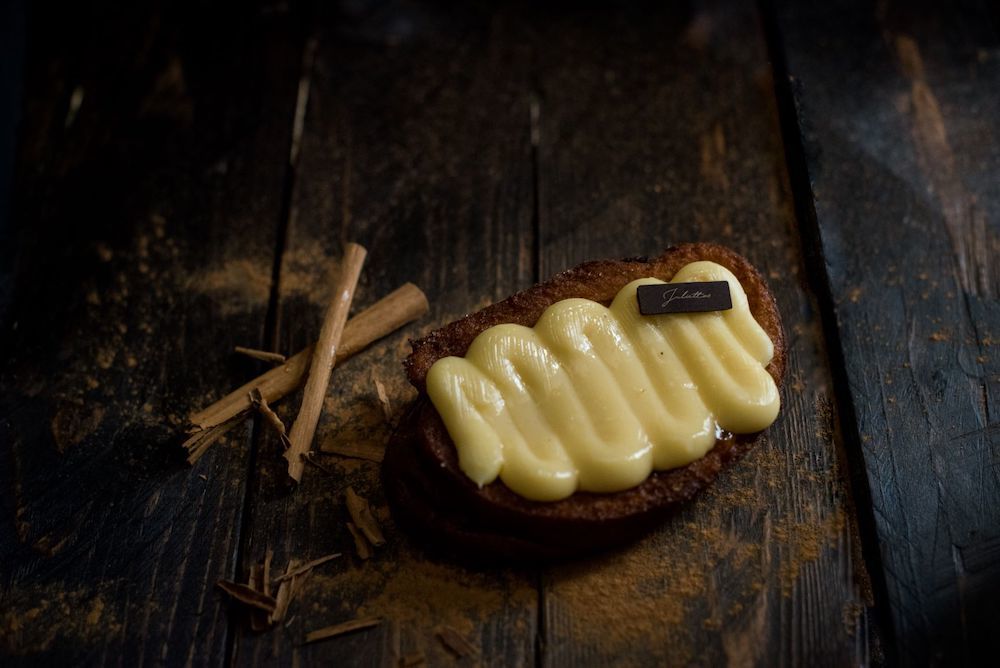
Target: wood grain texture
[
  {"x": 149, "y": 184},
  {"x": 658, "y": 128},
  {"x": 899, "y": 115},
  {"x": 417, "y": 146}
]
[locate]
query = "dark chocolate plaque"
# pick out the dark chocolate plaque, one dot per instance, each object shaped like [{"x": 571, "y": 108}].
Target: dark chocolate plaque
[{"x": 684, "y": 297}]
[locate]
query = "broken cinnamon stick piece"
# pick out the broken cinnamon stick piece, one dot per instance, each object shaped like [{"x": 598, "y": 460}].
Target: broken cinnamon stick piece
[
  {"x": 368, "y": 451},
  {"x": 306, "y": 567},
  {"x": 323, "y": 358},
  {"x": 258, "y": 401},
  {"x": 456, "y": 643},
  {"x": 247, "y": 595},
  {"x": 262, "y": 355},
  {"x": 298, "y": 582},
  {"x": 361, "y": 514},
  {"x": 283, "y": 597},
  {"x": 402, "y": 306},
  {"x": 281, "y": 607},
  {"x": 360, "y": 542},
  {"x": 197, "y": 444},
  {"x": 341, "y": 629},
  {"x": 383, "y": 399}
]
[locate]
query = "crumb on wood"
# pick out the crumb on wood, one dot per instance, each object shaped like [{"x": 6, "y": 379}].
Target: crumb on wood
[
  {"x": 383, "y": 399},
  {"x": 455, "y": 642},
  {"x": 362, "y": 517}
]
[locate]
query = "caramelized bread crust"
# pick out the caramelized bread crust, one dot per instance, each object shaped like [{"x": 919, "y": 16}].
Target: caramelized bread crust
[{"x": 429, "y": 491}]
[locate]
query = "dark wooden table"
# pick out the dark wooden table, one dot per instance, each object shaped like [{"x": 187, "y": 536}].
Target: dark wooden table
[{"x": 186, "y": 174}]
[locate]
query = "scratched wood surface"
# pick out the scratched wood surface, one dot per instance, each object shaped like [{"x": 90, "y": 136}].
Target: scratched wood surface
[
  {"x": 900, "y": 117},
  {"x": 416, "y": 144},
  {"x": 149, "y": 139}
]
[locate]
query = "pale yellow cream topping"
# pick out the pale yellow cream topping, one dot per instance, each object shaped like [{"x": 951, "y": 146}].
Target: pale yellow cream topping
[{"x": 595, "y": 398}]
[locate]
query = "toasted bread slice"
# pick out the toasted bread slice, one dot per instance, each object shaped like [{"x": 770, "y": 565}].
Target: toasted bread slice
[{"x": 429, "y": 492}]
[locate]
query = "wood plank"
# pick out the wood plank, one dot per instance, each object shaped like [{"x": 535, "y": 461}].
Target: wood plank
[
  {"x": 12, "y": 82},
  {"x": 416, "y": 145},
  {"x": 150, "y": 174},
  {"x": 899, "y": 115},
  {"x": 658, "y": 128}
]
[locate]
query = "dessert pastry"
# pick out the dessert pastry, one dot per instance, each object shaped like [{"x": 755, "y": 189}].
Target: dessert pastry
[{"x": 563, "y": 420}]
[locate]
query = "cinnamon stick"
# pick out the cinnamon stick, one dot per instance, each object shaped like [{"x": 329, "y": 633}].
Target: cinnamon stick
[
  {"x": 402, "y": 306},
  {"x": 262, "y": 355},
  {"x": 323, "y": 358},
  {"x": 340, "y": 629}
]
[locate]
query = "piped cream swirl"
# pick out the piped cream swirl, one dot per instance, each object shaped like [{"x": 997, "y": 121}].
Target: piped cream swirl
[{"x": 596, "y": 398}]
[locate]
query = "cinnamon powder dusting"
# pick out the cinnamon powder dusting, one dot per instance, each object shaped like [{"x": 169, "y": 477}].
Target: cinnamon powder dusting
[
  {"x": 35, "y": 618},
  {"x": 712, "y": 569},
  {"x": 415, "y": 597}
]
